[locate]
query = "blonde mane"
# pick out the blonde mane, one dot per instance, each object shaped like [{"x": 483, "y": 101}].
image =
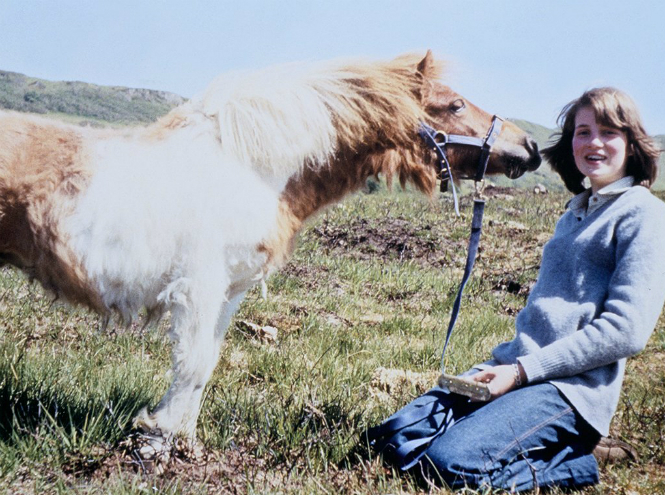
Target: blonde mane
[{"x": 285, "y": 117}]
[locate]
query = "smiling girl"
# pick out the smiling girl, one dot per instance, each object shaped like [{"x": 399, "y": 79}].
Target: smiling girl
[
  {"x": 599, "y": 149},
  {"x": 600, "y": 291}
]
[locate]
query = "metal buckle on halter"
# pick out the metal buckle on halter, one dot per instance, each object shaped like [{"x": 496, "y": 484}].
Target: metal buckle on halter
[
  {"x": 437, "y": 133},
  {"x": 445, "y": 174}
]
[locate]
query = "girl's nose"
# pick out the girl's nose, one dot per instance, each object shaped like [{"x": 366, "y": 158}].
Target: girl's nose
[{"x": 595, "y": 140}]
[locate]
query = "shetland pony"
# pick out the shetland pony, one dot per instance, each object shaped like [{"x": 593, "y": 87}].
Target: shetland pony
[{"x": 187, "y": 214}]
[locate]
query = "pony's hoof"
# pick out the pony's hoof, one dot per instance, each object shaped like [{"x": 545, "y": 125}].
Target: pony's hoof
[
  {"x": 148, "y": 446},
  {"x": 153, "y": 448},
  {"x": 189, "y": 450},
  {"x": 150, "y": 451}
]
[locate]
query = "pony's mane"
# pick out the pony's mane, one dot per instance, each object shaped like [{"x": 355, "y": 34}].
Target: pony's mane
[{"x": 284, "y": 117}]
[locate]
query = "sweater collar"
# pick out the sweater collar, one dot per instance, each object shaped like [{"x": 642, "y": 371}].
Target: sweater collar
[{"x": 585, "y": 203}]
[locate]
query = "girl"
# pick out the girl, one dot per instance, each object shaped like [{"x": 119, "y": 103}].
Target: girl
[{"x": 598, "y": 296}]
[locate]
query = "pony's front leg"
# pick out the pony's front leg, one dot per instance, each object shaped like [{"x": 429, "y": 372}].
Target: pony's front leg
[{"x": 195, "y": 354}]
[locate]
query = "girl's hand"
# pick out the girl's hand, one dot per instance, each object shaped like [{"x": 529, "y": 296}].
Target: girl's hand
[{"x": 499, "y": 379}]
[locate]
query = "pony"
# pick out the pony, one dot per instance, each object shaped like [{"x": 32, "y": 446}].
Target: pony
[{"x": 186, "y": 214}]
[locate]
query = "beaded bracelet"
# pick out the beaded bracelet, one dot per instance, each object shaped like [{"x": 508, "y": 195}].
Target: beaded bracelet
[{"x": 518, "y": 376}]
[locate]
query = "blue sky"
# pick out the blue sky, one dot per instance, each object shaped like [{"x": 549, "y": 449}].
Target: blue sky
[{"x": 520, "y": 59}]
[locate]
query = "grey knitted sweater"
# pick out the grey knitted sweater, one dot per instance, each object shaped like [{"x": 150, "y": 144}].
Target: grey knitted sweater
[{"x": 598, "y": 296}]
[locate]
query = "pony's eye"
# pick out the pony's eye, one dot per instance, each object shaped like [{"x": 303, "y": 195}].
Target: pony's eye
[{"x": 457, "y": 106}]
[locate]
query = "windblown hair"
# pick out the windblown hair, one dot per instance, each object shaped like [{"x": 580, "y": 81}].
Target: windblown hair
[
  {"x": 612, "y": 108},
  {"x": 282, "y": 118}
]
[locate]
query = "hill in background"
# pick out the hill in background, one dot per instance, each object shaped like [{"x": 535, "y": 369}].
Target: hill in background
[
  {"x": 84, "y": 103},
  {"x": 90, "y": 104},
  {"x": 544, "y": 175}
]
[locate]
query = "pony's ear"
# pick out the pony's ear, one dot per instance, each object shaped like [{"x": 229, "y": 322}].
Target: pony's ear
[{"x": 427, "y": 67}]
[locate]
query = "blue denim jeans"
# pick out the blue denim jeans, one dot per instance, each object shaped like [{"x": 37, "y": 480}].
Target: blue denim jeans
[{"x": 527, "y": 438}]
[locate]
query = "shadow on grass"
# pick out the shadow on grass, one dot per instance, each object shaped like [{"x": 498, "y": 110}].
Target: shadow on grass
[{"x": 75, "y": 417}]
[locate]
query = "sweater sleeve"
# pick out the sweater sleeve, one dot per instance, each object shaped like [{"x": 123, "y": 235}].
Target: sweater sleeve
[{"x": 635, "y": 298}]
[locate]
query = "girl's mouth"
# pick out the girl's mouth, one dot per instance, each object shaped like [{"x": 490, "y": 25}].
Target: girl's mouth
[{"x": 594, "y": 158}]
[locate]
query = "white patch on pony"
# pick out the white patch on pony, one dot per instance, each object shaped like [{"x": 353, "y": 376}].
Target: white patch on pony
[{"x": 157, "y": 213}]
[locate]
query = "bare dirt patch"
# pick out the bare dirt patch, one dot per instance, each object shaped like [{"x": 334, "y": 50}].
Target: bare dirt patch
[
  {"x": 390, "y": 238},
  {"x": 210, "y": 471},
  {"x": 235, "y": 470},
  {"x": 507, "y": 249},
  {"x": 396, "y": 386}
]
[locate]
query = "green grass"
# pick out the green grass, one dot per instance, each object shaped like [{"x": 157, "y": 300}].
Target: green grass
[{"x": 369, "y": 287}]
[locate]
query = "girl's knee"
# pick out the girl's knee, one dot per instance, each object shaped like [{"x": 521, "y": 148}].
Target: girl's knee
[{"x": 457, "y": 463}]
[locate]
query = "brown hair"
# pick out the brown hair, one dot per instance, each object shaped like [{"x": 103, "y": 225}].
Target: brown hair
[{"x": 612, "y": 108}]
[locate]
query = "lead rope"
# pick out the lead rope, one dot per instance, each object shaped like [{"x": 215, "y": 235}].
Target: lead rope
[
  {"x": 474, "y": 240},
  {"x": 409, "y": 453},
  {"x": 434, "y": 410}
]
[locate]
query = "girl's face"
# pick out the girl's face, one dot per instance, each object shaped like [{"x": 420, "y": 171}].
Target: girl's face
[{"x": 600, "y": 151}]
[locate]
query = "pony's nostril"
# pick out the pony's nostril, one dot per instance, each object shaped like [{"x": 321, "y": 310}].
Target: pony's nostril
[
  {"x": 535, "y": 146},
  {"x": 534, "y": 154},
  {"x": 531, "y": 146}
]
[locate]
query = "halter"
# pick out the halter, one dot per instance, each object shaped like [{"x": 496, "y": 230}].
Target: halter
[{"x": 438, "y": 140}]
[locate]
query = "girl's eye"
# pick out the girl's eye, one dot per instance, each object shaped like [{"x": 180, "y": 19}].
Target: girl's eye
[{"x": 582, "y": 132}]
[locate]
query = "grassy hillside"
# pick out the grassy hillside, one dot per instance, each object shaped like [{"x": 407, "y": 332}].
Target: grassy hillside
[
  {"x": 360, "y": 313},
  {"x": 84, "y": 103},
  {"x": 544, "y": 175}
]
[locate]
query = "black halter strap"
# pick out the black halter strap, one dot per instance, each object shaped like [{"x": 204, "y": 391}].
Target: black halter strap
[
  {"x": 438, "y": 140},
  {"x": 472, "y": 251}
]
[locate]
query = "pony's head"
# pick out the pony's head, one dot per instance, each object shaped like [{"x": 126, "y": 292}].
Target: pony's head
[
  {"x": 369, "y": 119},
  {"x": 512, "y": 154},
  {"x": 284, "y": 118}
]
